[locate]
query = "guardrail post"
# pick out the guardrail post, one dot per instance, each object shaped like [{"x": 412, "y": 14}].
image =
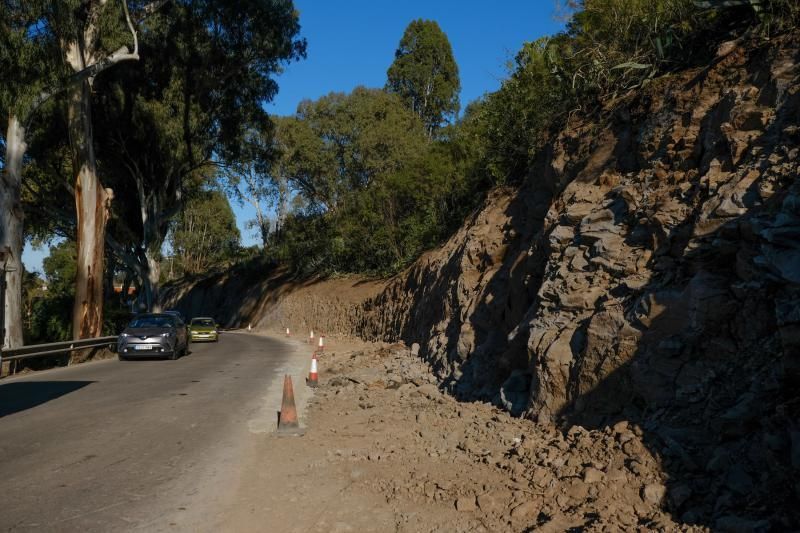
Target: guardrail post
[{"x": 3, "y": 306}]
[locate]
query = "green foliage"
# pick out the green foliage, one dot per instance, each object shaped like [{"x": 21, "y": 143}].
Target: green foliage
[
  {"x": 51, "y": 312},
  {"x": 609, "y": 48},
  {"x": 375, "y": 192},
  {"x": 343, "y": 143},
  {"x": 49, "y": 302},
  {"x": 425, "y": 74},
  {"x": 205, "y": 235},
  {"x": 375, "y": 177},
  {"x": 28, "y": 57},
  {"x": 613, "y": 45},
  {"x": 60, "y": 268},
  {"x": 773, "y": 15},
  {"x": 512, "y": 123},
  {"x": 372, "y": 190}
]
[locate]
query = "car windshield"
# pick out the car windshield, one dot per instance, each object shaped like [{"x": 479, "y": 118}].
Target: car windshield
[
  {"x": 203, "y": 322},
  {"x": 152, "y": 322}
]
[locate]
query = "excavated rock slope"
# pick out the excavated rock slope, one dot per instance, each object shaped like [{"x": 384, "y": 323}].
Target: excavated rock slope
[{"x": 648, "y": 272}]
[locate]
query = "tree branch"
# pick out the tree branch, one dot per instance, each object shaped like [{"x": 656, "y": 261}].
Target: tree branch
[
  {"x": 130, "y": 260},
  {"x": 130, "y": 27},
  {"x": 151, "y": 8},
  {"x": 122, "y": 54}
]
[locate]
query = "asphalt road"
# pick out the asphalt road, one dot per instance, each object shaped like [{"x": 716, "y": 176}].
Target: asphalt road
[{"x": 134, "y": 445}]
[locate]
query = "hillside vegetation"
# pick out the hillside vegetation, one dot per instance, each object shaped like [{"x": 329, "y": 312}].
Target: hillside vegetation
[{"x": 377, "y": 181}]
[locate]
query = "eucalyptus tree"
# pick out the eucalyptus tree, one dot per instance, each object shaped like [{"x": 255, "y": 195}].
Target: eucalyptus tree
[
  {"x": 205, "y": 235},
  {"x": 23, "y": 56},
  {"x": 90, "y": 36},
  {"x": 371, "y": 182},
  {"x": 39, "y": 38},
  {"x": 258, "y": 180},
  {"x": 425, "y": 74},
  {"x": 171, "y": 126},
  {"x": 343, "y": 143}
]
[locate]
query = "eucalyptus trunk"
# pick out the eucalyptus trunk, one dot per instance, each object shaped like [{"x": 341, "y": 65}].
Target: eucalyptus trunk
[
  {"x": 92, "y": 202},
  {"x": 151, "y": 281},
  {"x": 11, "y": 236}
]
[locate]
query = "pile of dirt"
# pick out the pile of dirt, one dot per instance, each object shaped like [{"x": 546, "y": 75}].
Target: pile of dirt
[
  {"x": 269, "y": 297},
  {"x": 386, "y": 449}
]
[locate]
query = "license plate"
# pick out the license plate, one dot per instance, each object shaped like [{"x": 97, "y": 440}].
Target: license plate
[{"x": 143, "y": 347}]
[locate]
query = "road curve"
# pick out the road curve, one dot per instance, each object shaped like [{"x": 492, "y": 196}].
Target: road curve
[{"x": 134, "y": 445}]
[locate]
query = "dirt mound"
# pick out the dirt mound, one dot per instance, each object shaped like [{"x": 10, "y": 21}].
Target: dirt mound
[{"x": 387, "y": 450}]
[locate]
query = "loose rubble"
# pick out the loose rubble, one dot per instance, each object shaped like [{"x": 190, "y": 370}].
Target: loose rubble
[{"x": 444, "y": 465}]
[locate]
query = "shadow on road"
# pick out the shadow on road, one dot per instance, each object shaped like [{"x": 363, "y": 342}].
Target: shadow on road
[{"x": 15, "y": 397}]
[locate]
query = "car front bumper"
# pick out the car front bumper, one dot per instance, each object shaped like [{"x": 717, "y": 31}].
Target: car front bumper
[
  {"x": 147, "y": 347},
  {"x": 200, "y": 336}
]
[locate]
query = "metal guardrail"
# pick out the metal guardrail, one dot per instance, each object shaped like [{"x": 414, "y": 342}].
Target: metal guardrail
[{"x": 37, "y": 350}]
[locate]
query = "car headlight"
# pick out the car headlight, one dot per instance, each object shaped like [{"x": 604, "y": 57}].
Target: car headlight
[{"x": 168, "y": 334}]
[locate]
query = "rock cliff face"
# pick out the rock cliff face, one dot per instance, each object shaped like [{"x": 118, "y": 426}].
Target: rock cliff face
[{"x": 647, "y": 272}]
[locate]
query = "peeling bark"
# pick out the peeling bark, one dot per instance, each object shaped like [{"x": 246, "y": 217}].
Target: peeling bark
[
  {"x": 11, "y": 236},
  {"x": 92, "y": 202},
  {"x": 151, "y": 282}
]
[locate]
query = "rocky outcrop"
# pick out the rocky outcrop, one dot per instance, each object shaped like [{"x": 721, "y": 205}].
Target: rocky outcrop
[{"x": 648, "y": 273}]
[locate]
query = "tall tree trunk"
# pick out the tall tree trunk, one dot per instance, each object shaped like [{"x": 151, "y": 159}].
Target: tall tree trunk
[
  {"x": 283, "y": 207},
  {"x": 11, "y": 237},
  {"x": 92, "y": 202},
  {"x": 151, "y": 281},
  {"x": 263, "y": 227}
]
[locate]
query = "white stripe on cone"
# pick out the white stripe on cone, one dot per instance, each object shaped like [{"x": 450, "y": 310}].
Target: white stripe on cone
[
  {"x": 321, "y": 343},
  {"x": 313, "y": 379},
  {"x": 287, "y": 332}
]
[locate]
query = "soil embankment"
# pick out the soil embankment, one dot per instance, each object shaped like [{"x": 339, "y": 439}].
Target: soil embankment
[{"x": 645, "y": 281}]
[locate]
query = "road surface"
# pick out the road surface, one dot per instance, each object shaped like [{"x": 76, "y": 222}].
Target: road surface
[{"x": 136, "y": 445}]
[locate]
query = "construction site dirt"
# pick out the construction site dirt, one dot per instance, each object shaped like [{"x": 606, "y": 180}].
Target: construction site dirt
[{"x": 385, "y": 450}]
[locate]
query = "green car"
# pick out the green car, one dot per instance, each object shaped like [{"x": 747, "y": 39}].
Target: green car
[{"x": 203, "y": 329}]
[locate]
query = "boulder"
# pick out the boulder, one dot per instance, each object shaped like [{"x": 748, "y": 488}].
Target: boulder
[{"x": 654, "y": 493}]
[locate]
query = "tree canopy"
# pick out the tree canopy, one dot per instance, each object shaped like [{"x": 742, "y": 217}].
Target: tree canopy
[
  {"x": 425, "y": 74},
  {"x": 369, "y": 184},
  {"x": 205, "y": 235}
]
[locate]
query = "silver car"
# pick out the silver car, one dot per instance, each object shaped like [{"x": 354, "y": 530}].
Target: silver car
[{"x": 153, "y": 335}]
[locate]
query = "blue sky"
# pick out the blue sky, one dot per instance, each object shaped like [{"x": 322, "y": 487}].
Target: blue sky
[{"x": 352, "y": 43}]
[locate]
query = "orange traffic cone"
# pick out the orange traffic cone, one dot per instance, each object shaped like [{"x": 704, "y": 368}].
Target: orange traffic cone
[
  {"x": 321, "y": 346},
  {"x": 288, "y": 416},
  {"x": 313, "y": 377},
  {"x": 311, "y": 337},
  {"x": 287, "y": 333}
]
